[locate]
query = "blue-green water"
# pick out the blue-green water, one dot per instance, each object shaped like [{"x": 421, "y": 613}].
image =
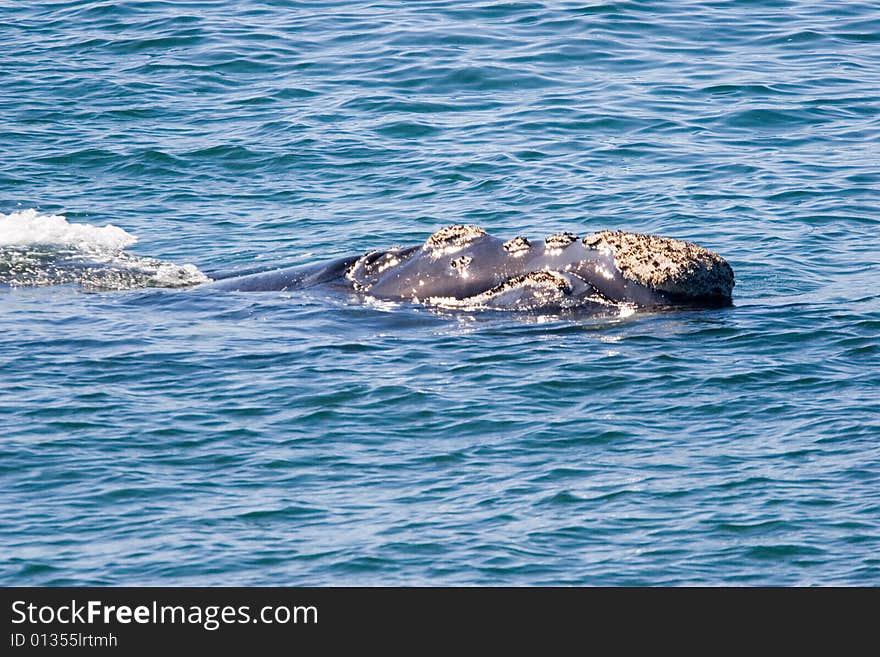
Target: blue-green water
[{"x": 175, "y": 436}]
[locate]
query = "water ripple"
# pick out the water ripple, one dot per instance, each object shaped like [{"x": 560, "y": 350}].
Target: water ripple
[{"x": 168, "y": 437}]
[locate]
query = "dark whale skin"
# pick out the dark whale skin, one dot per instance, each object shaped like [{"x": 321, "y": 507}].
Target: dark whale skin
[{"x": 463, "y": 266}]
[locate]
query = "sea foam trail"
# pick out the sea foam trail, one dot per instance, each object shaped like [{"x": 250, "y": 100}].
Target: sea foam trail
[
  {"x": 29, "y": 227},
  {"x": 46, "y": 249}
]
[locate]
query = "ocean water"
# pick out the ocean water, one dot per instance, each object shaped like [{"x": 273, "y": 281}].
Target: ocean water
[{"x": 155, "y": 433}]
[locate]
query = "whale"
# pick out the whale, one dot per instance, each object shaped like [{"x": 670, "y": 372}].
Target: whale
[{"x": 463, "y": 266}]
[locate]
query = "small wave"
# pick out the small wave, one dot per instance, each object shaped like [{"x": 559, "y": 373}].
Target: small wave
[
  {"x": 30, "y": 228},
  {"x": 44, "y": 249}
]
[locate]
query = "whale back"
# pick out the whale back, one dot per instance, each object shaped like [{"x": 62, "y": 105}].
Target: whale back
[
  {"x": 464, "y": 262},
  {"x": 464, "y": 267}
]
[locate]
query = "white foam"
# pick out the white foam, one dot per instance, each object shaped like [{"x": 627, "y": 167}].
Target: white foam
[
  {"x": 171, "y": 275},
  {"x": 31, "y": 228},
  {"x": 46, "y": 249}
]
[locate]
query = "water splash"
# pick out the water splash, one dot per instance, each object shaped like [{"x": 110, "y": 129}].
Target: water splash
[{"x": 46, "y": 249}]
